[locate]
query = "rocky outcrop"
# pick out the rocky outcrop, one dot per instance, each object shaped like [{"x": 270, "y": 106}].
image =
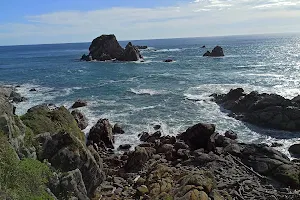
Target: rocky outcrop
[
  {"x": 267, "y": 110},
  {"x": 49, "y": 118},
  {"x": 67, "y": 153},
  {"x": 12, "y": 126},
  {"x": 101, "y": 134},
  {"x": 79, "y": 103},
  {"x": 80, "y": 118},
  {"x": 216, "y": 52},
  {"x": 106, "y": 47}
]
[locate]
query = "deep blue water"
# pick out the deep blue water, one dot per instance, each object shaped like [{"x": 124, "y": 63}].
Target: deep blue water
[{"x": 138, "y": 95}]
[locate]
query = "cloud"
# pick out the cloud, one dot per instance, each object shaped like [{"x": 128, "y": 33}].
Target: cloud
[{"x": 197, "y": 18}]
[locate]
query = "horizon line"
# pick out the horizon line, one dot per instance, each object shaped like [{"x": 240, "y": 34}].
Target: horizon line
[{"x": 189, "y": 37}]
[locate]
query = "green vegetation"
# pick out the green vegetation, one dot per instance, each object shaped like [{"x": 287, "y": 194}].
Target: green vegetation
[
  {"x": 42, "y": 120},
  {"x": 25, "y": 179}
]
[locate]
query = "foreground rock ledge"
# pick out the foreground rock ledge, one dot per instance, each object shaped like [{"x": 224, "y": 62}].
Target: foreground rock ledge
[
  {"x": 106, "y": 47},
  {"x": 266, "y": 110}
]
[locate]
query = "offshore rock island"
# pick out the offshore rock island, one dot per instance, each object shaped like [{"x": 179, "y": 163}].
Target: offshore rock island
[
  {"x": 52, "y": 159},
  {"x": 106, "y": 47}
]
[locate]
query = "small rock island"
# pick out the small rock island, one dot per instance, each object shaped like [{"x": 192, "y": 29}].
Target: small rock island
[
  {"x": 106, "y": 47},
  {"x": 216, "y": 52}
]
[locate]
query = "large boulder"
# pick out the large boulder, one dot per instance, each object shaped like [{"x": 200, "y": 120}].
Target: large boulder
[
  {"x": 198, "y": 136},
  {"x": 216, "y": 52},
  {"x": 138, "y": 158},
  {"x": 79, "y": 103},
  {"x": 295, "y": 149},
  {"x": 66, "y": 152},
  {"x": 106, "y": 47},
  {"x": 80, "y": 119},
  {"x": 101, "y": 132}
]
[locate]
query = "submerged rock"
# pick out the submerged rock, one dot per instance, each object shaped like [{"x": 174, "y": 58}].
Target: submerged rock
[
  {"x": 168, "y": 60},
  {"x": 140, "y": 47}
]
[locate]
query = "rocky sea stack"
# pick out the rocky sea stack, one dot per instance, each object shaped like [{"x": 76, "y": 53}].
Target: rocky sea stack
[
  {"x": 216, "y": 52},
  {"x": 106, "y": 47}
]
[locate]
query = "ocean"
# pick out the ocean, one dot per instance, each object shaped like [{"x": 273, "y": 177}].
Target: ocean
[{"x": 139, "y": 95}]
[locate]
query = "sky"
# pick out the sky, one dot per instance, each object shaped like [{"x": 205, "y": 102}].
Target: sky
[{"x": 67, "y": 21}]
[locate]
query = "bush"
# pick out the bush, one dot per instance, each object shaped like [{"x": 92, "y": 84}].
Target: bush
[{"x": 25, "y": 179}]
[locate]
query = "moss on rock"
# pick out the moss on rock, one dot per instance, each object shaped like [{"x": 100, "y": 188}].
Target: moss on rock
[{"x": 41, "y": 119}]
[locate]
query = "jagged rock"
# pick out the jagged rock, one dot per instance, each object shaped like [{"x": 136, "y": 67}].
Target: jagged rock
[
  {"x": 12, "y": 126},
  {"x": 72, "y": 183},
  {"x": 198, "y": 135},
  {"x": 66, "y": 152},
  {"x": 267, "y": 110},
  {"x": 131, "y": 53},
  {"x": 102, "y": 131},
  {"x": 79, "y": 103},
  {"x": 138, "y": 158},
  {"x": 106, "y": 47},
  {"x": 16, "y": 97},
  {"x": 80, "y": 118},
  {"x": 32, "y": 90},
  {"x": 146, "y": 137},
  {"x": 216, "y": 52},
  {"x": 118, "y": 129}
]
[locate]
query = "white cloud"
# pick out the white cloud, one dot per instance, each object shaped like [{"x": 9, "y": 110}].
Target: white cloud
[{"x": 197, "y": 18}]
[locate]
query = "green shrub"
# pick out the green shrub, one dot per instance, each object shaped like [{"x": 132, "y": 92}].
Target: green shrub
[{"x": 25, "y": 179}]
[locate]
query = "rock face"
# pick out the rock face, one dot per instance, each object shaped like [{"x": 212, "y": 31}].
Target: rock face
[
  {"x": 65, "y": 152},
  {"x": 11, "y": 125},
  {"x": 267, "y": 110},
  {"x": 216, "y": 52},
  {"x": 106, "y": 47},
  {"x": 81, "y": 120},
  {"x": 102, "y": 132}
]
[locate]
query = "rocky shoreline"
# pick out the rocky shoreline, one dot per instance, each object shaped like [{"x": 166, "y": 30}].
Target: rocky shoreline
[{"x": 196, "y": 164}]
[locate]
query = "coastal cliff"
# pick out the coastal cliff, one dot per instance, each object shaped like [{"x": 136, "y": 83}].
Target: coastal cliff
[{"x": 44, "y": 155}]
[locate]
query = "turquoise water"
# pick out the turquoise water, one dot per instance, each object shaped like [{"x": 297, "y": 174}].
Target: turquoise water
[{"x": 139, "y": 95}]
